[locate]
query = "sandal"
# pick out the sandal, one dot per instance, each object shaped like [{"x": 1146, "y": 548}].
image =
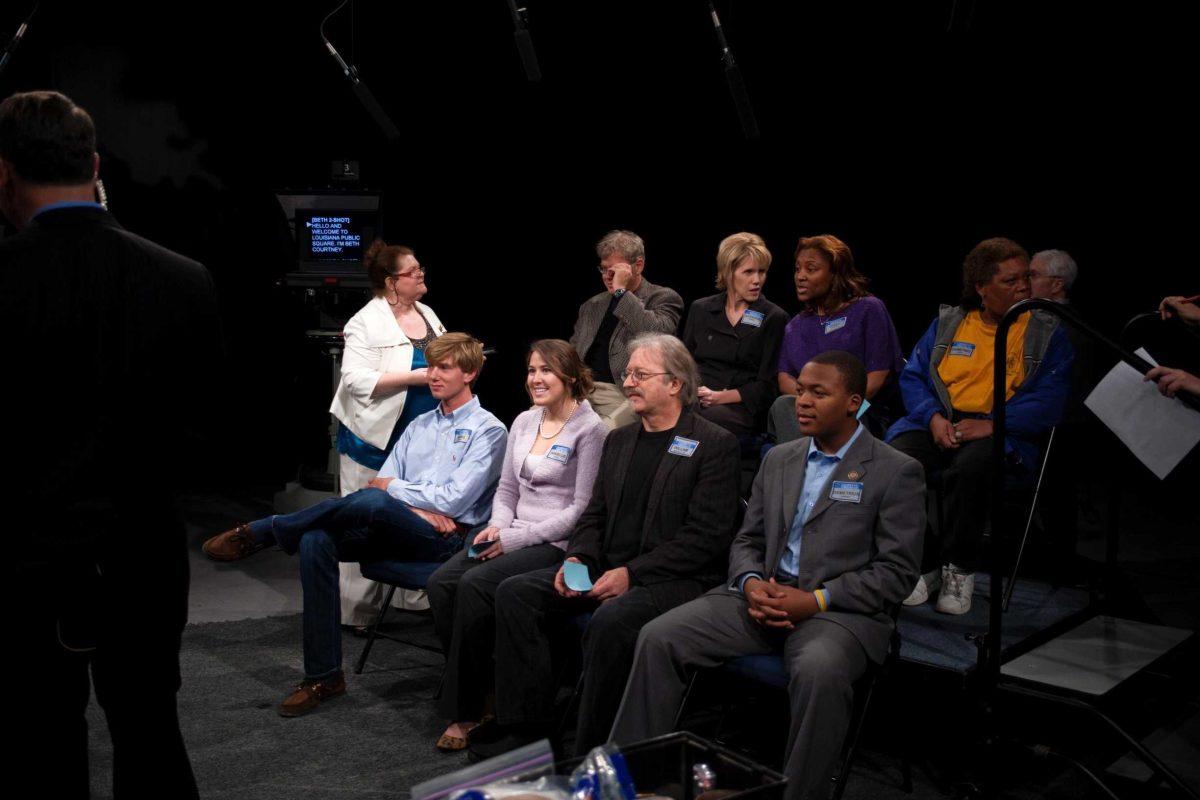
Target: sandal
[{"x": 452, "y": 744}]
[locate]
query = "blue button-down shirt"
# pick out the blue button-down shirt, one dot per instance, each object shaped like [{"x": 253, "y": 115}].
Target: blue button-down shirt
[
  {"x": 449, "y": 463},
  {"x": 816, "y": 474}
]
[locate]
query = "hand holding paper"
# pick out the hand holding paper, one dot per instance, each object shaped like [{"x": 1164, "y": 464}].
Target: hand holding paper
[
  {"x": 575, "y": 576},
  {"x": 1159, "y": 430}
]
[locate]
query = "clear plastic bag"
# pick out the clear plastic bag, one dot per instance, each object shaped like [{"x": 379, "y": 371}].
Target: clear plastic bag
[
  {"x": 602, "y": 775},
  {"x": 550, "y": 787}
]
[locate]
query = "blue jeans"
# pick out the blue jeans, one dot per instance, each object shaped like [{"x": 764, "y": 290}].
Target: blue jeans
[{"x": 369, "y": 525}]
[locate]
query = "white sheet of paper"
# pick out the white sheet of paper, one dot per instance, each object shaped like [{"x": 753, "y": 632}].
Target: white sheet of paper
[{"x": 1159, "y": 430}]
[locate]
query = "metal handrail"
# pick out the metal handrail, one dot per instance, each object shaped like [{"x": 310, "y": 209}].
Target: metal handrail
[{"x": 999, "y": 429}]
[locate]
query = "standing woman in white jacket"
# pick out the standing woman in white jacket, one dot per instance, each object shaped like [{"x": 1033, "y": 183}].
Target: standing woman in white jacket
[{"x": 383, "y": 387}]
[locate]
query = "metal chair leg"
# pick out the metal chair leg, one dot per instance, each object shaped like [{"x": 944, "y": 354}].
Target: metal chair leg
[
  {"x": 687, "y": 693},
  {"x": 850, "y": 748},
  {"x": 1012, "y": 579},
  {"x": 362, "y": 659}
]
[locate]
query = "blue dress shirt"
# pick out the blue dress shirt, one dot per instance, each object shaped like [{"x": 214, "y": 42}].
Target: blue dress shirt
[
  {"x": 449, "y": 463},
  {"x": 816, "y": 475}
]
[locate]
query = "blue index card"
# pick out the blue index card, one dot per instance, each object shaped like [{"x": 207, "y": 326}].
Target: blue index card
[{"x": 575, "y": 576}]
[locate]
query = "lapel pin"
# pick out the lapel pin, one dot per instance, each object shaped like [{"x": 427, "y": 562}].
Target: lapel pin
[{"x": 852, "y": 474}]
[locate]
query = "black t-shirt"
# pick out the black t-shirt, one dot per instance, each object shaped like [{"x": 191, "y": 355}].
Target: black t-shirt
[
  {"x": 597, "y": 354},
  {"x": 627, "y": 533}
]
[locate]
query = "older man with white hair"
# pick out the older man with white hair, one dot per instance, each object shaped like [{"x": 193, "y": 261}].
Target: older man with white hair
[
  {"x": 1051, "y": 273},
  {"x": 655, "y": 535}
]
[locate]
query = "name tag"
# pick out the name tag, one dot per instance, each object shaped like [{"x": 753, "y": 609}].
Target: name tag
[
  {"x": 846, "y": 491},
  {"x": 962, "y": 349},
  {"x": 835, "y": 325},
  {"x": 461, "y": 435},
  {"x": 559, "y": 453},
  {"x": 683, "y": 447},
  {"x": 754, "y": 318}
]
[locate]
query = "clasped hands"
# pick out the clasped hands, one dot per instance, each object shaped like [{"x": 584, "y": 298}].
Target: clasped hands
[
  {"x": 613, "y": 583},
  {"x": 776, "y": 606},
  {"x": 711, "y": 397},
  {"x": 445, "y": 526},
  {"x": 948, "y": 435}
]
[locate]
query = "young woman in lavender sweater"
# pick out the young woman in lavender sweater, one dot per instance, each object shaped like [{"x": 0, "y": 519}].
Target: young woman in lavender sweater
[{"x": 546, "y": 481}]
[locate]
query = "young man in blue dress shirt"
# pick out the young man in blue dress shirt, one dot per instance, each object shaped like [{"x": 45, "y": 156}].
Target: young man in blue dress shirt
[{"x": 437, "y": 483}]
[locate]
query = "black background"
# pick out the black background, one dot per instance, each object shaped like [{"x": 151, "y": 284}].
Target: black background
[{"x": 1060, "y": 125}]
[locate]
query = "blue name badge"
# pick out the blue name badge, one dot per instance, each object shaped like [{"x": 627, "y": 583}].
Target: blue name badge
[
  {"x": 754, "y": 318},
  {"x": 575, "y": 576},
  {"x": 962, "y": 349},
  {"x": 559, "y": 453},
  {"x": 683, "y": 447},
  {"x": 846, "y": 491},
  {"x": 461, "y": 435},
  {"x": 835, "y": 325}
]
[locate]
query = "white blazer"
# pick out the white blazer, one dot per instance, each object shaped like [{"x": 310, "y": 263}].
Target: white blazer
[{"x": 375, "y": 344}]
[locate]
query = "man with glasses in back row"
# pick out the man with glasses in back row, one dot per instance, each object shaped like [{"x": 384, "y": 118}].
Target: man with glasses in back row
[
  {"x": 629, "y": 305},
  {"x": 655, "y": 535}
]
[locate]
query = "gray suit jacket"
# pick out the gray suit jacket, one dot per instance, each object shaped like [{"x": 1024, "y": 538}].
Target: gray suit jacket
[
  {"x": 651, "y": 309},
  {"x": 867, "y": 555}
]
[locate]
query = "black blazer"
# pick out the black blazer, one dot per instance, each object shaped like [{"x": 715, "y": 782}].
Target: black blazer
[
  {"x": 690, "y": 516},
  {"x": 115, "y": 344},
  {"x": 742, "y": 357}
]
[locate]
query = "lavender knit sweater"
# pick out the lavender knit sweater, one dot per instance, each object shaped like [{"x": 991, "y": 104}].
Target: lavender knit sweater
[{"x": 544, "y": 508}]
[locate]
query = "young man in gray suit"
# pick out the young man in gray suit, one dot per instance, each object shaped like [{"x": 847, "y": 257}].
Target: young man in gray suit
[
  {"x": 629, "y": 305},
  {"x": 830, "y": 545}
]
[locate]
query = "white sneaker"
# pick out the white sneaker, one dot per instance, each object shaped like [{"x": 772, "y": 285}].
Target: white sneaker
[
  {"x": 928, "y": 582},
  {"x": 957, "y": 588}
]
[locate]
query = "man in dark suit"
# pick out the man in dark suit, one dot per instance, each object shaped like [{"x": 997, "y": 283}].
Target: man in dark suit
[
  {"x": 629, "y": 306},
  {"x": 831, "y": 543},
  {"x": 655, "y": 534},
  {"x": 117, "y": 343}
]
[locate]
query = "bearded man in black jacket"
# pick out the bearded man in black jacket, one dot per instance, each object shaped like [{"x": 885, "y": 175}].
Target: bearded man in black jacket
[{"x": 655, "y": 535}]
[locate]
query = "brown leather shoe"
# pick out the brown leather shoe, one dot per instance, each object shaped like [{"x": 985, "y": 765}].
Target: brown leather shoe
[
  {"x": 232, "y": 545},
  {"x": 309, "y": 694}
]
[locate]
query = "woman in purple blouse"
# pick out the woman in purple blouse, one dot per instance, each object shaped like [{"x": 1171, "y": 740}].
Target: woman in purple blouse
[
  {"x": 838, "y": 314},
  {"x": 545, "y": 483}
]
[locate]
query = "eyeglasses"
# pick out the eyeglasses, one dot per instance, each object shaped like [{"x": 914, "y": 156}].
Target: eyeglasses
[
  {"x": 408, "y": 274},
  {"x": 640, "y": 375}
]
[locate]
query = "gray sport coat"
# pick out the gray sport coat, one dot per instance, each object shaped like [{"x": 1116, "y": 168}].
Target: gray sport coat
[
  {"x": 651, "y": 309},
  {"x": 867, "y": 555}
]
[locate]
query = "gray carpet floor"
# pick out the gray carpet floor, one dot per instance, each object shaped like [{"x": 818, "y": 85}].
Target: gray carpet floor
[
  {"x": 376, "y": 741},
  {"x": 241, "y": 655}
]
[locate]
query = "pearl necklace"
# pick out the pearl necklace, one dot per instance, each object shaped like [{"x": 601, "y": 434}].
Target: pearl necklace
[{"x": 560, "y": 430}]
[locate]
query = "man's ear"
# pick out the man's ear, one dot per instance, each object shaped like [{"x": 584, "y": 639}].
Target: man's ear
[
  {"x": 95, "y": 166},
  {"x": 469, "y": 377},
  {"x": 856, "y": 401},
  {"x": 638, "y": 265}
]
